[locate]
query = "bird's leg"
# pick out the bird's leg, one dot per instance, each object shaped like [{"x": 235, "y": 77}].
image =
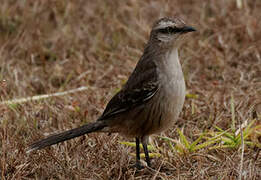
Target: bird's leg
[
  {"x": 138, "y": 163},
  {"x": 146, "y": 154},
  {"x": 144, "y": 142}
]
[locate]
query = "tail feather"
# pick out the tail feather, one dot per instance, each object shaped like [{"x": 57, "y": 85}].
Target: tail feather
[{"x": 57, "y": 138}]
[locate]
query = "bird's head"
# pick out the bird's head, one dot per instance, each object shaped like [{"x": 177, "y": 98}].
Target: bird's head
[{"x": 170, "y": 31}]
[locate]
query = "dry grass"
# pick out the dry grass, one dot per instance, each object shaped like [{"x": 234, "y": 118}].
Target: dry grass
[{"x": 54, "y": 46}]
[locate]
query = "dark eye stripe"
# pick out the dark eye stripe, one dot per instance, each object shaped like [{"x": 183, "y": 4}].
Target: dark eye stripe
[{"x": 169, "y": 30}]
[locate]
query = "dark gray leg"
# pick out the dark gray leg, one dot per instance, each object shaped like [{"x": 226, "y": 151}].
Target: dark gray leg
[
  {"x": 144, "y": 142},
  {"x": 138, "y": 163}
]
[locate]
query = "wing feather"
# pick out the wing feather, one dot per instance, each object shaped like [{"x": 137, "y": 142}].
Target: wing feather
[{"x": 139, "y": 89}]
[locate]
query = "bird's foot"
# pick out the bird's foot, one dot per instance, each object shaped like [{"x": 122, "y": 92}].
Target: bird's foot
[{"x": 138, "y": 166}]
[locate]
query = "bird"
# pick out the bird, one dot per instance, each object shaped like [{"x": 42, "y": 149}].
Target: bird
[{"x": 151, "y": 99}]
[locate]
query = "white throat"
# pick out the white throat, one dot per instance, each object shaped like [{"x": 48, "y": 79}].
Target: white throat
[{"x": 172, "y": 64}]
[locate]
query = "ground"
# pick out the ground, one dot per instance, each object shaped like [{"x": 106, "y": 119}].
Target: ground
[{"x": 56, "y": 46}]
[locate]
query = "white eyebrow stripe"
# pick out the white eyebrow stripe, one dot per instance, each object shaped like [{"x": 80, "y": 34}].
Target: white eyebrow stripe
[{"x": 164, "y": 24}]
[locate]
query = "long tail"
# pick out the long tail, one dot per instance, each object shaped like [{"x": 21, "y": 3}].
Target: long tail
[{"x": 57, "y": 138}]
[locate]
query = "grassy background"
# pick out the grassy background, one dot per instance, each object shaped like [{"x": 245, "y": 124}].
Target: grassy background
[{"x": 54, "y": 46}]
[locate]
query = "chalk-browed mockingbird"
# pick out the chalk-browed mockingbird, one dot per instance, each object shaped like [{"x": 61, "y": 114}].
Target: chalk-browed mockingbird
[{"x": 151, "y": 99}]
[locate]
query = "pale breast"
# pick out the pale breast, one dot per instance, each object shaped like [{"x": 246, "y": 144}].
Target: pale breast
[{"x": 173, "y": 90}]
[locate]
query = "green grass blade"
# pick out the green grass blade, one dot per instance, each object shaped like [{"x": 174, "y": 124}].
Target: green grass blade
[
  {"x": 205, "y": 144},
  {"x": 193, "y": 145},
  {"x": 232, "y": 106},
  {"x": 142, "y": 155},
  {"x": 192, "y": 96},
  {"x": 132, "y": 144},
  {"x": 183, "y": 139},
  {"x": 226, "y": 133}
]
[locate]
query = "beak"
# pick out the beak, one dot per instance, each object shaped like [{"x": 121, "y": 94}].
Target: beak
[{"x": 186, "y": 29}]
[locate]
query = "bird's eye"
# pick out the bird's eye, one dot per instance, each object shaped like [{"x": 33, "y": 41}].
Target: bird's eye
[
  {"x": 169, "y": 30},
  {"x": 166, "y": 30}
]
